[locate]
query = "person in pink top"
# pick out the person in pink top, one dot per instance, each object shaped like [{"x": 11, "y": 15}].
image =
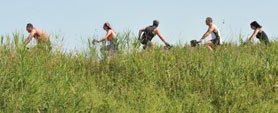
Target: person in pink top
[
  {"x": 109, "y": 37},
  {"x": 41, "y": 37}
]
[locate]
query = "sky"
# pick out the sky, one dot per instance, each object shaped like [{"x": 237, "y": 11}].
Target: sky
[{"x": 75, "y": 21}]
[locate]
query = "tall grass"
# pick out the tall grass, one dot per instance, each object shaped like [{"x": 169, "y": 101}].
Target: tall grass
[{"x": 183, "y": 79}]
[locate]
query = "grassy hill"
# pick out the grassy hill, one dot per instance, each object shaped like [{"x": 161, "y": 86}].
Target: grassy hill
[{"x": 183, "y": 79}]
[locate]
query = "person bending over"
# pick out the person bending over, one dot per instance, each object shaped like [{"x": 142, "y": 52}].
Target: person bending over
[
  {"x": 259, "y": 33},
  {"x": 149, "y": 33},
  {"x": 41, "y": 37}
]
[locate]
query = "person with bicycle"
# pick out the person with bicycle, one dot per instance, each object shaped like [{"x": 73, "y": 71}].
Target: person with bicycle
[
  {"x": 41, "y": 37},
  {"x": 214, "y": 32},
  {"x": 149, "y": 33},
  {"x": 259, "y": 33},
  {"x": 110, "y": 36}
]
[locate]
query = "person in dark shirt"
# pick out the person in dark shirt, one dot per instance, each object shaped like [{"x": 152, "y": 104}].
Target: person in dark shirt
[
  {"x": 149, "y": 33},
  {"x": 259, "y": 33}
]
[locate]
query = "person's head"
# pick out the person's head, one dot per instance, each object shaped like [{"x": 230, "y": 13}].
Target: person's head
[
  {"x": 107, "y": 26},
  {"x": 209, "y": 21},
  {"x": 155, "y": 23},
  {"x": 255, "y": 25},
  {"x": 29, "y": 27}
]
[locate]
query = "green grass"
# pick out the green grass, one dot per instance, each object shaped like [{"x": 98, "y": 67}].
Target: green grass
[{"x": 184, "y": 79}]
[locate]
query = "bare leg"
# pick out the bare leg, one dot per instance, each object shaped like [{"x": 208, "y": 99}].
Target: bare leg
[
  {"x": 110, "y": 52},
  {"x": 209, "y": 44},
  {"x": 145, "y": 47}
]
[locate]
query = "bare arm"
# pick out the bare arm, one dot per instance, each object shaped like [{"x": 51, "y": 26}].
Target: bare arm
[
  {"x": 160, "y": 36},
  {"x": 140, "y": 33},
  {"x": 106, "y": 36},
  {"x": 254, "y": 34},
  {"x": 31, "y": 35},
  {"x": 210, "y": 30}
]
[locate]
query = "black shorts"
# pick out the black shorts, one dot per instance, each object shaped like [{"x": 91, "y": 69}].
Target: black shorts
[
  {"x": 215, "y": 41},
  {"x": 145, "y": 40}
]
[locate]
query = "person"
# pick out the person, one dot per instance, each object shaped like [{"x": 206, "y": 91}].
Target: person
[
  {"x": 215, "y": 33},
  {"x": 259, "y": 33},
  {"x": 149, "y": 33},
  {"x": 41, "y": 37},
  {"x": 110, "y": 36}
]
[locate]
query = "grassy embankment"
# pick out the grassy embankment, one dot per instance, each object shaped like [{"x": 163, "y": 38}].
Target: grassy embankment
[{"x": 184, "y": 79}]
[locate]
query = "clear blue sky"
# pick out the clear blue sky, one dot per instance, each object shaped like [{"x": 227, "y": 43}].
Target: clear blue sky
[{"x": 180, "y": 20}]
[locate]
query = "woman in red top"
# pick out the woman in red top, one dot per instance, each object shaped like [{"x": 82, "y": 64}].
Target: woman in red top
[{"x": 110, "y": 35}]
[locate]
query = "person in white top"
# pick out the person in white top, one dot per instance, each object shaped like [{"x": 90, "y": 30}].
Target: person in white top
[{"x": 215, "y": 33}]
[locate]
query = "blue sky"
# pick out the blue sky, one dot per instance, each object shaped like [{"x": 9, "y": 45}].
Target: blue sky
[{"x": 180, "y": 20}]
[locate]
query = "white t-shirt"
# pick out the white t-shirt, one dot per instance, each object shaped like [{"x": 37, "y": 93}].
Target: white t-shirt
[{"x": 213, "y": 36}]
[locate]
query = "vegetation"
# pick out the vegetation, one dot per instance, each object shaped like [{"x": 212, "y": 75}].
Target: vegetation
[{"x": 183, "y": 79}]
